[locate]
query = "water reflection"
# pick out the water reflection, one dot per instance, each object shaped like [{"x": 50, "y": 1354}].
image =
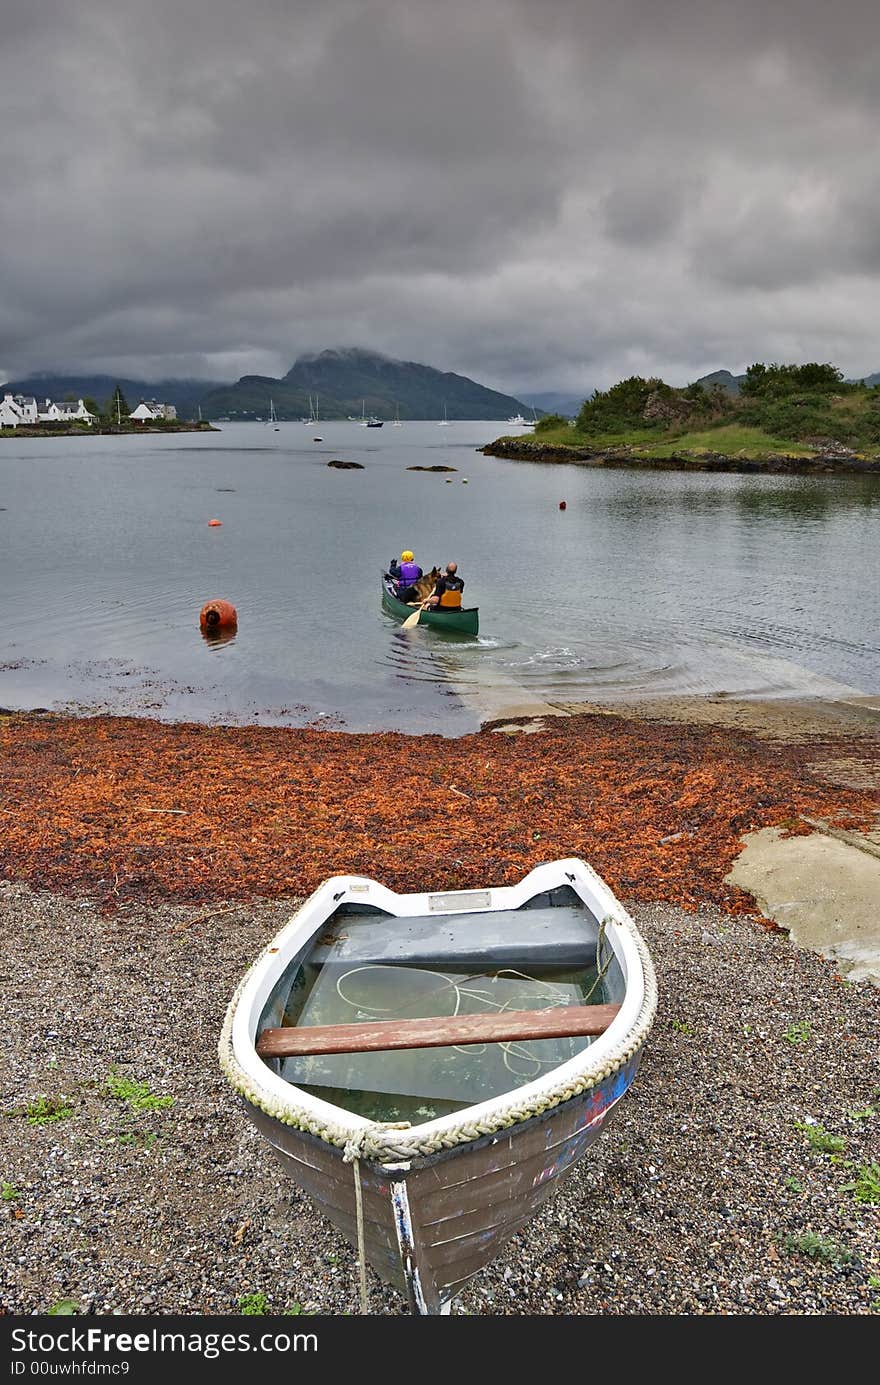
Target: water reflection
[
  {"x": 216, "y": 637},
  {"x": 757, "y": 497}
]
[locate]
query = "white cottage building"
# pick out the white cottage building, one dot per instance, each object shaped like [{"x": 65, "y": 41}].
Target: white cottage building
[
  {"x": 18, "y": 409},
  {"x": 21, "y": 410},
  {"x": 65, "y": 411},
  {"x": 149, "y": 410}
]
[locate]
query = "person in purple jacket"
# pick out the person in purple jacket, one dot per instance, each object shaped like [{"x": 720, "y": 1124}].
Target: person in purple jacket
[{"x": 407, "y": 574}]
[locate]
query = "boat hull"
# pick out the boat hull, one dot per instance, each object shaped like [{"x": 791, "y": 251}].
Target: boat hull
[
  {"x": 441, "y": 1197},
  {"x": 432, "y": 1224},
  {"x": 465, "y": 621}
]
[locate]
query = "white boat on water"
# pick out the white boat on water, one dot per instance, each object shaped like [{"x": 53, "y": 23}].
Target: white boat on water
[
  {"x": 427, "y": 1067},
  {"x": 273, "y": 418},
  {"x": 396, "y": 423},
  {"x": 519, "y": 422},
  {"x": 368, "y": 422},
  {"x": 444, "y": 421}
]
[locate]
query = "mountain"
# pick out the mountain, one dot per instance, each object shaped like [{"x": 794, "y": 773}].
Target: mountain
[
  {"x": 871, "y": 380},
  {"x": 568, "y": 405},
  {"x": 351, "y": 381},
  {"x": 728, "y": 382},
  {"x": 185, "y": 395}
]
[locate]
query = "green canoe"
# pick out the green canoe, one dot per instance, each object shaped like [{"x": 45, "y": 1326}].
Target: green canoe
[{"x": 465, "y": 621}]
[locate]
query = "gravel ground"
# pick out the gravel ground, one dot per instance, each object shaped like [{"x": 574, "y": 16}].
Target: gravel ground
[{"x": 704, "y": 1195}]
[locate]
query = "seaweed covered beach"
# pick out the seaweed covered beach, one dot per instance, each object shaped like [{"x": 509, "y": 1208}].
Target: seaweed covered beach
[{"x": 126, "y": 810}]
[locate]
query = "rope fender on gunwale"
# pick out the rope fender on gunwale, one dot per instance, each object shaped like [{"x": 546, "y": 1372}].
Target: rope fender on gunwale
[{"x": 377, "y": 1143}]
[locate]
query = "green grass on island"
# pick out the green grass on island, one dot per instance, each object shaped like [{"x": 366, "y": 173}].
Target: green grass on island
[{"x": 781, "y": 411}]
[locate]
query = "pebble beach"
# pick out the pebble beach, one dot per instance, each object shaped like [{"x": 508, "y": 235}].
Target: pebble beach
[{"x": 738, "y": 1176}]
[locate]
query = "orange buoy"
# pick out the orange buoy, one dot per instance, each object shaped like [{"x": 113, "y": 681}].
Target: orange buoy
[
  {"x": 562, "y": 504},
  {"x": 214, "y": 523},
  {"x": 218, "y": 617}
]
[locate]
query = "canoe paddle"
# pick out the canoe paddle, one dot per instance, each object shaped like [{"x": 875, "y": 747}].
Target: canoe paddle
[{"x": 412, "y": 620}]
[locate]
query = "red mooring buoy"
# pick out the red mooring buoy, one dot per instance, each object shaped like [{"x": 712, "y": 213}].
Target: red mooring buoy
[
  {"x": 214, "y": 523},
  {"x": 218, "y": 617},
  {"x": 562, "y": 504}
]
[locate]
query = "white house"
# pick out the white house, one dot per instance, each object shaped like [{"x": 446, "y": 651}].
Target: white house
[
  {"x": 65, "y": 411},
  {"x": 10, "y": 413},
  {"x": 149, "y": 410},
  {"x": 16, "y": 410}
]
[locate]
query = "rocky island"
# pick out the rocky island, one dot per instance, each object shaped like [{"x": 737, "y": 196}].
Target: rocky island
[{"x": 789, "y": 419}]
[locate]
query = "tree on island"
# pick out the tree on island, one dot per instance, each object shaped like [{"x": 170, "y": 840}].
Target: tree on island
[
  {"x": 775, "y": 381},
  {"x": 117, "y": 406}
]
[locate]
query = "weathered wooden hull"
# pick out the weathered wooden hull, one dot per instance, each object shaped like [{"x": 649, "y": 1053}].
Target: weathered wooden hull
[
  {"x": 462, "y": 622},
  {"x": 432, "y": 1224}
]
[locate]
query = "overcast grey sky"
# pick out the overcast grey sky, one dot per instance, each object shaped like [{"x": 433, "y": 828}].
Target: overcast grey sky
[{"x": 541, "y": 194}]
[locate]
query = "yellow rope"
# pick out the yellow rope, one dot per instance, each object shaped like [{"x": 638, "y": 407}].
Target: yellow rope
[{"x": 362, "y": 1254}]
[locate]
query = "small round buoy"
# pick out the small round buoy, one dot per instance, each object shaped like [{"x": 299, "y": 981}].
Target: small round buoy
[
  {"x": 214, "y": 523},
  {"x": 464, "y": 480},
  {"x": 562, "y": 504},
  {"x": 317, "y": 439},
  {"x": 217, "y": 617},
  {"x": 449, "y": 480}
]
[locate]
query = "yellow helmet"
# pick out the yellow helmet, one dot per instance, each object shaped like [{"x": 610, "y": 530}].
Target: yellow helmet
[{"x": 406, "y": 556}]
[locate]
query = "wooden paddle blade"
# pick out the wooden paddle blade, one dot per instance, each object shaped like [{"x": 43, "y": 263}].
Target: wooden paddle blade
[
  {"x": 566, "y": 1021},
  {"x": 412, "y": 620}
]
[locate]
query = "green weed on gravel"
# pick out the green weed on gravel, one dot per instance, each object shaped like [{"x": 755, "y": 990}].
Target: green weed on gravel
[
  {"x": 44, "y": 1110},
  {"x": 137, "y": 1095},
  {"x": 865, "y": 1187},
  {"x": 822, "y": 1248},
  {"x": 820, "y": 1139},
  {"x": 257, "y": 1305}
]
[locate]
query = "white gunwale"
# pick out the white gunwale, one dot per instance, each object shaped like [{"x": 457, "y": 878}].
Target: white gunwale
[{"x": 313, "y": 914}]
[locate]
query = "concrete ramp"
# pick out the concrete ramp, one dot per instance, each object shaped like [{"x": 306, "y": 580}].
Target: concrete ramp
[{"x": 823, "y": 890}]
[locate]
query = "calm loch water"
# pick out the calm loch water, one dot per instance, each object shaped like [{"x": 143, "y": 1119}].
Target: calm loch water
[{"x": 644, "y": 585}]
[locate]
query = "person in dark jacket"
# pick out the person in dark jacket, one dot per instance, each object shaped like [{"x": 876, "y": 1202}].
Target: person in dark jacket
[
  {"x": 407, "y": 574},
  {"x": 448, "y": 588}
]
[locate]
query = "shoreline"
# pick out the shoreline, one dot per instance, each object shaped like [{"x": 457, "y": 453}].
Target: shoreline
[
  {"x": 777, "y": 464},
  {"x": 658, "y": 806},
  {"x": 114, "y": 430},
  {"x": 144, "y": 865}
]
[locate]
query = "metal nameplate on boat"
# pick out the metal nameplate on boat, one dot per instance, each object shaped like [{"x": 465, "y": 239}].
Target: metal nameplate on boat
[{"x": 460, "y": 900}]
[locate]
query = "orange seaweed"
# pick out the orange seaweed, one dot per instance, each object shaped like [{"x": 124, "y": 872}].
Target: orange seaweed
[{"x": 125, "y": 809}]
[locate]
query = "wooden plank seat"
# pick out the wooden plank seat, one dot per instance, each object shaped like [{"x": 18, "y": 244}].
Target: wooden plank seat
[{"x": 438, "y": 1031}]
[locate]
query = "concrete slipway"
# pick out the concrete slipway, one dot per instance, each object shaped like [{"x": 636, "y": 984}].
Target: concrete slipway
[{"x": 824, "y": 889}]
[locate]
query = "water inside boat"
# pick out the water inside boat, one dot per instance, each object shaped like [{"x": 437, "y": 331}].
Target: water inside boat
[{"x": 366, "y": 965}]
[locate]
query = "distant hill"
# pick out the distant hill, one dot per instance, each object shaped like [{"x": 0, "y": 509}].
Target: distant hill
[
  {"x": 871, "y": 380},
  {"x": 351, "y": 381},
  {"x": 568, "y": 405},
  {"x": 185, "y": 395},
  {"x": 728, "y": 382}
]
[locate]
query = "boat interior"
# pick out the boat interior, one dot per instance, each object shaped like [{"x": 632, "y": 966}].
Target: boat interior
[{"x": 413, "y": 1017}]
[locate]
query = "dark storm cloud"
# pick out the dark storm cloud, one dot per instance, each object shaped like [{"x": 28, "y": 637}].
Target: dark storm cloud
[{"x": 538, "y": 194}]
